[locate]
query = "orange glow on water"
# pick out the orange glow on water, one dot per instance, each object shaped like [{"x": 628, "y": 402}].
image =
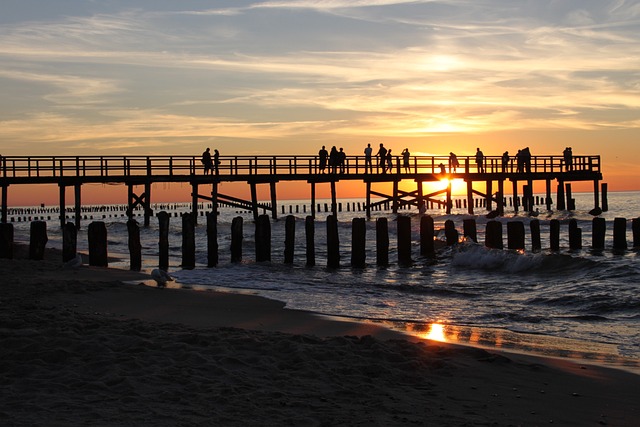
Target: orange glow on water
[{"x": 436, "y": 333}]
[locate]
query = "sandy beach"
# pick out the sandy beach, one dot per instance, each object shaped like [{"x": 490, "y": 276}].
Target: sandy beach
[{"x": 82, "y": 347}]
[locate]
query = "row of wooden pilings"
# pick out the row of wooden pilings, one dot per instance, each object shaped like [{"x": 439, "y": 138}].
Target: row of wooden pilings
[{"x": 98, "y": 256}]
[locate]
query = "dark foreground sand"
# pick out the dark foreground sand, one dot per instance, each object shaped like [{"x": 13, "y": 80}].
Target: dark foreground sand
[{"x": 79, "y": 347}]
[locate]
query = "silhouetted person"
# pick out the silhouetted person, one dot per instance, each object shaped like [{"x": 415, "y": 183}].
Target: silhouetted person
[
  {"x": 526, "y": 159},
  {"x": 368, "y": 167},
  {"x": 323, "y": 154},
  {"x": 505, "y": 161},
  {"x": 206, "y": 161},
  {"x": 480, "y": 160},
  {"x": 382, "y": 157},
  {"x": 405, "y": 159},
  {"x": 216, "y": 160},
  {"x": 443, "y": 170},
  {"x": 333, "y": 159},
  {"x": 519, "y": 162},
  {"x": 389, "y": 160},
  {"x": 568, "y": 158},
  {"x": 342, "y": 158},
  {"x": 453, "y": 162}
]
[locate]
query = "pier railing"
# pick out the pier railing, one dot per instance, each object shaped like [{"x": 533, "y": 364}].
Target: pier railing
[{"x": 124, "y": 166}]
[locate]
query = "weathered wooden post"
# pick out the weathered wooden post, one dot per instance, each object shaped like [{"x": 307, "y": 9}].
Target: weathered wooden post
[
  {"x": 6, "y": 240},
  {"x": 515, "y": 235},
  {"x": 188, "y": 241},
  {"x": 599, "y": 227},
  {"x": 358, "y": 242},
  {"x": 620, "y": 233},
  {"x": 536, "y": 242},
  {"x": 69, "y": 241},
  {"x": 554, "y": 234},
  {"x": 212, "y": 239},
  {"x": 37, "y": 240},
  {"x": 427, "y": 245},
  {"x": 97, "y": 234},
  {"x": 333, "y": 242},
  {"x": 310, "y": 232},
  {"x": 382, "y": 242},
  {"x": 263, "y": 239},
  {"x": 605, "y": 197},
  {"x": 404, "y": 240},
  {"x": 236, "y": 239},
  {"x": 289, "y": 238},
  {"x": 571, "y": 202},
  {"x": 635, "y": 228},
  {"x": 469, "y": 229},
  {"x": 163, "y": 240},
  {"x": 135, "y": 248},
  {"x": 450, "y": 233},
  {"x": 575, "y": 235},
  {"x": 493, "y": 235}
]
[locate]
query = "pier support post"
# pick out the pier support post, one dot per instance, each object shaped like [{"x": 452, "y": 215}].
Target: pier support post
[
  {"x": 635, "y": 228},
  {"x": 596, "y": 194},
  {"x": 212, "y": 237},
  {"x": 69, "y": 242},
  {"x": 37, "y": 240},
  {"x": 427, "y": 246},
  {"x": 135, "y": 248},
  {"x": 334, "y": 203},
  {"x": 313, "y": 200},
  {"x": 148, "y": 212},
  {"x": 309, "y": 229},
  {"x": 6, "y": 240},
  {"x": 263, "y": 239},
  {"x": 605, "y": 197},
  {"x": 561, "y": 206},
  {"x": 488, "y": 196},
  {"x": 274, "y": 200},
  {"x": 236, "y": 239},
  {"x": 97, "y": 233},
  {"x": 575, "y": 235},
  {"x": 515, "y": 235},
  {"x": 188, "y": 241},
  {"x": 78, "y": 205},
  {"x": 358, "y": 242},
  {"x": 548, "y": 194},
  {"x": 404, "y": 240},
  {"x": 449, "y": 203},
  {"x": 194, "y": 203},
  {"x": 500, "y": 198},
  {"x": 554, "y": 234},
  {"x": 5, "y": 207},
  {"x": 469, "y": 229},
  {"x": 368, "y": 207},
  {"x": 470, "y": 197},
  {"x": 493, "y": 235},
  {"x": 163, "y": 240},
  {"x": 515, "y": 196},
  {"x": 382, "y": 242},
  {"x": 536, "y": 243},
  {"x": 63, "y": 207},
  {"x": 395, "y": 200},
  {"x": 571, "y": 203},
  {"x": 333, "y": 242},
  {"x": 620, "y": 233},
  {"x": 599, "y": 227},
  {"x": 254, "y": 200},
  {"x": 289, "y": 238}
]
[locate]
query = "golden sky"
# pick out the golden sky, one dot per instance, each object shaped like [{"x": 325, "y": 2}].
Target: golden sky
[{"x": 150, "y": 77}]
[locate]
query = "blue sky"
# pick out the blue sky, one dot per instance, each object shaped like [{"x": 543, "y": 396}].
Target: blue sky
[{"x": 262, "y": 77}]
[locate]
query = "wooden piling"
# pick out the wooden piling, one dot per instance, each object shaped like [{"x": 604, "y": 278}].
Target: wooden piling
[
  {"x": 536, "y": 242},
  {"x": 382, "y": 242},
  {"x": 69, "y": 242},
  {"x": 289, "y": 238},
  {"x": 470, "y": 229},
  {"x": 450, "y": 232},
  {"x": 212, "y": 239},
  {"x": 97, "y": 234},
  {"x": 554, "y": 234},
  {"x": 620, "y": 233},
  {"x": 188, "y": 241},
  {"x": 635, "y": 228},
  {"x": 135, "y": 248},
  {"x": 515, "y": 235},
  {"x": 599, "y": 227},
  {"x": 333, "y": 242},
  {"x": 6, "y": 240},
  {"x": 309, "y": 228},
  {"x": 605, "y": 197},
  {"x": 236, "y": 239},
  {"x": 358, "y": 242},
  {"x": 575, "y": 235},
  {"x": 404, "y": 240},
  {"x": 37, "y": 240},
  {"x": 571, "y": 202},
  {"x": 493, "y": 235},
  {"x": 427, "y": 244},
  {"x": 263, "y": 239},
  {"x": 163, "y": 240}
]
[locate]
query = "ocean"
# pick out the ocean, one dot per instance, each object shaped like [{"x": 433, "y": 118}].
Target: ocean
[{"x": 579, "y": 304}]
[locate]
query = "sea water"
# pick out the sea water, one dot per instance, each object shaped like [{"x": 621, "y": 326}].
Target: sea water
[{"x": 572, "y": 303}]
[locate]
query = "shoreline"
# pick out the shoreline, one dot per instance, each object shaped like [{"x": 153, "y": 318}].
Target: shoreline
[{"x": 83, "y": 347}]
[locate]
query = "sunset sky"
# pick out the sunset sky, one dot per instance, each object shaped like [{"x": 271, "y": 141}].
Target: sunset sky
[{"x": 107, "y": 77}]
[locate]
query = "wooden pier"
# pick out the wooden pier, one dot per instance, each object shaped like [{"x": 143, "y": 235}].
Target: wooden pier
[{"x": 407, "y": 182}]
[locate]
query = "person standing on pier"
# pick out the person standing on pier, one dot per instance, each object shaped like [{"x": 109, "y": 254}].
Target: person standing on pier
[
  {"x": 453, "y": 162},
  {"x": 368, "y": 168},
  {"x": 342, "y": 159},
  {"x": 206, "y": 160},
  {"x": 216, "y": 160},
  {"x": 480, "y": 160},
  {"x": 389, "y": 160},
  {"x": 568, "y": 158},
  {"x": 333, "y": 160},
  {"x": 405, "y": 159},
  {"x": 526, "y": 159},
  {"x": 505, "y": 161},
  {"x": 323, "y": 154},
  {"x": 382, "y": 158}
]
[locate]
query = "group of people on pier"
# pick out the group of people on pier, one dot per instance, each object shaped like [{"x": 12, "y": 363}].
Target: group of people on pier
[
  {"x": 335, "y": 160},
  {"x": 210, "y": 163}
]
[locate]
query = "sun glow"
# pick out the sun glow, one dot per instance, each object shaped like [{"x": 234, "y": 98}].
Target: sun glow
[{"x": 436, "y": 333}]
